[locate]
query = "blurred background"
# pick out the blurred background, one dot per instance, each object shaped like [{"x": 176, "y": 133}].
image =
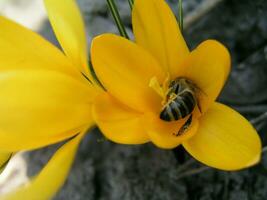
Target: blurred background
[{"x": 107, "y": 171}]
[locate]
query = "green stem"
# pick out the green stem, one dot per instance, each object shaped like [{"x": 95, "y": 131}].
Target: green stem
[
  {"x": 186, "y": 165},
  {"x": 91, "y": 68},
  {"x": 181, "y": 17},
  {"x": 193, "y": 172},
  {"x": 131, "y": 4},
  {"x": 179, "y": 154},
  {"x": 114, "y": 10}
]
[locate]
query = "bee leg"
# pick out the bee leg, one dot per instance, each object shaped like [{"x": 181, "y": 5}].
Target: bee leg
[{"x": 185, "y": 126}]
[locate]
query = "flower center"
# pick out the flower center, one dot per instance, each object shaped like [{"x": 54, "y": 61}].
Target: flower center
[{"x": 179, "y": 98}]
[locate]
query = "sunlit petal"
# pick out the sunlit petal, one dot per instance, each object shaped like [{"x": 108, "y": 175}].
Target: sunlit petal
[
  {"x": 225, "y": 140},
  {"x": 45, "y": 185},
  {"x": 125, "y": 70},
  {"x": 118, "y": 122},
  {"x": 68, "y": 26},
  {"x": 156, "y": 29},
  {"x": 21, "y": 48},
  {"x": 41, "y": 107}
]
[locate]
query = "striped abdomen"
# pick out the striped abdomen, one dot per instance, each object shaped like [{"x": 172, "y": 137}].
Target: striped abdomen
[
  {"x": 180, "y": 100},
  {"x": 178, "y": 107}
]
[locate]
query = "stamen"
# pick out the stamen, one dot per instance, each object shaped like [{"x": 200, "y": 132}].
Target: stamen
[
  {"x": 155, "y": 85},
  {"x": 166, "y": 84}
]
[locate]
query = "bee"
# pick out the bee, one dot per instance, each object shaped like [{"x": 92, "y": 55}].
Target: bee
[
  {"x": 180, "y": 102},
  {"x": 184, "y": 127}
]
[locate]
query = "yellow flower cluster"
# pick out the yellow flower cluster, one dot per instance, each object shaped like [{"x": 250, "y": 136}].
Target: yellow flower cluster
[{"x": 156, "y": 91}]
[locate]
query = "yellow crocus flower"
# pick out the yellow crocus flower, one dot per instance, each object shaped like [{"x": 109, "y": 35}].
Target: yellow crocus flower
[
  {"x": 137, "y": 77},
  {"x": 45, "y": 96}
]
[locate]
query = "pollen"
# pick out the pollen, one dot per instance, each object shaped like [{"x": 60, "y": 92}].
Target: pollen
[
  {"x": 160, "y": 89},
  {"x": 155, "y": 85}
]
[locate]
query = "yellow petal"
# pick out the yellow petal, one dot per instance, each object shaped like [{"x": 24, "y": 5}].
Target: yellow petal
[
  {"x": 125, "y": 70},
  {"x": 21, "y": 48},
  {"x": 68, "y": 26},
  {"x": 45, "y": 185},
  {"x": 207, "y": 67},
  {"x": 4, "y": 158},
  {"x": 164, "y": 134},
  {"x": 41, "y": 107},
  {"x": 118, "y": 123},
  {"x": 225, "y": 140},
  {"x": 156, "y": 29}
]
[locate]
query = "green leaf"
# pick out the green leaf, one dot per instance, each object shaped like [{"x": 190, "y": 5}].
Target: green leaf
[
  {"x": 180, "y": 12},
  {"x": 131, "y": 2},
  {"x": 114, "y": 11}
]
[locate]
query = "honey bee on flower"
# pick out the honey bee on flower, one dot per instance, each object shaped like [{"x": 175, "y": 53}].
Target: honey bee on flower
[{"x": 158, "y": 91}]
